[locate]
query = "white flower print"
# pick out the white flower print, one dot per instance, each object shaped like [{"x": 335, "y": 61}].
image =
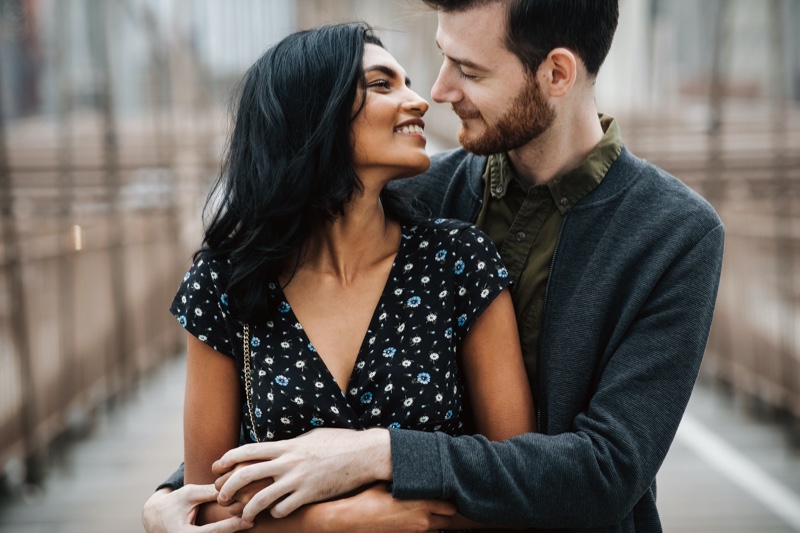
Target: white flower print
[
  {"x": 484, "y": 293},
  {"x": 481, "y": 265},
  {"x": 285, "y": 344},
  {"x": 198, "y": 311},
  {"x": 376, "y": 412},
  {"x": 262, "y": 373},
  {"x": 298, "y": 400},
  {"x": 213, "y": 275},
  {"x": 408, "y": 267},
  {"x": 406, "y": 363},
  {"x": 408, "y": 402},
  {"x": 439, "y": 397},
  {"x": 443, "y": 294},
  {"x": 196, "y": 286},
  {"x": 388, "y": 387},
  {"x": 398, "y": 292},
  {"x": 334, "y": 410},
  {"x": 268, "y": 360},
  {"x": 431, "y": 317},
  {"x": 416, "y": 340},
  {"x": 270, "y": 396},
  {"x": 300, "y": 364},
  {"x": 425, "y": 280},
  {"x": 462, "y": 291},
  {"x": 434, "y": 356},
  {"x": 319, "y": 384},
  {"x": 360, "y": 364},
  {"x": 401, "y": 327},
  {"x": 423, "y": 245},
  {"x": 286, "y": 420},
  {"x": 423, "y": 419},
  {"x": 202, "y": 338}
]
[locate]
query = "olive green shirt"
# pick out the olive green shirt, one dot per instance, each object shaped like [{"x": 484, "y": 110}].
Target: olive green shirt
[{"x": 525, "y": 225}]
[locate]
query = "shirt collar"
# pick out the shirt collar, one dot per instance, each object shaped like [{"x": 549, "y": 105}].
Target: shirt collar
[{"x": 567, "y": 189}]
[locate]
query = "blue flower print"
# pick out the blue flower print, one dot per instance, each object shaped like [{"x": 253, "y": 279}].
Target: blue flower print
[
  {"x": 414, "y": 301},
  {"x": 253, "y": 436},
  {"x": 439, "y": 220},
  {"x": 224, "y": 299},
  {"x": 258, "y": 412},
  {"x": 182, "y": 320},
  {"x": 394, "y": 425},
  {"x": 282, "y": 381},
  {"x": 284, "y": 307},
  {"x": 440, "y": 255},
  {"x": 389, "y": 352},
  {"x": 459, "y": 267},
  {"x": 310, "y": 347},
  {"x": 448, "y": 415},
  {"x": 366, "y": 397},
  {"x": 186, "y": 276},
  {"x": 502, "y": 272},
  {"x": 255, "y": 342},
  {"x": 462, "y": 320},
  {"x": 448, "y": 333},
  {"x": 316, "y": 422},
  {"x": 424, "y": 378}
]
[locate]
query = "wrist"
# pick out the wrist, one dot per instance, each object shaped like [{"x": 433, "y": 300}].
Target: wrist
[{"x": 380, "y": 449}]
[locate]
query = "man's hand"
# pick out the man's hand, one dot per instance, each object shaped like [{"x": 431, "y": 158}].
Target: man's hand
[
  {"x": 374, "y": 509},
  {"x": 316, "y": 466},
  {"x": 237, "y": 502},
  {"x": 175, "y": 512}
]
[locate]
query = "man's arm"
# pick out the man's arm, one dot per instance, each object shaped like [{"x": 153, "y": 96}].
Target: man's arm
[{"x": 593, "y": 474}]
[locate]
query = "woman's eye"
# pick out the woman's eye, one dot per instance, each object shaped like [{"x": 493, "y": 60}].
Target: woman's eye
[{"x": 382, "y": 84}]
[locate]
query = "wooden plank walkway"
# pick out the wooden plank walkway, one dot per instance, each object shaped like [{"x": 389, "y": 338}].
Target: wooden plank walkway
[{"x": 103, "y": 480}]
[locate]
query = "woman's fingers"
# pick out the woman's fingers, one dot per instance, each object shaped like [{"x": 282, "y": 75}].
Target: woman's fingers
[{"x": 264, "y": 499}]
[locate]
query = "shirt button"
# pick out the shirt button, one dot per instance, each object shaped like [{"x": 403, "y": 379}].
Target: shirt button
[
  {"x": 564, "y": 201},
  {"x": 520, "y": 236}
]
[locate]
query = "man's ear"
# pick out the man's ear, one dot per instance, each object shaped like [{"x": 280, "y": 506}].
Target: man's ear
[{"x": 558, "y": 72}]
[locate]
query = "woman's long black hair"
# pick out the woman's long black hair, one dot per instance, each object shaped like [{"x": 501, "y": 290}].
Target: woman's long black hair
[{"x": 289, "y": 164}]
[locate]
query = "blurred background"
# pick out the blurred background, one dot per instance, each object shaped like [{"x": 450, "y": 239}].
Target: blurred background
[{"x": 113, "y": 115}]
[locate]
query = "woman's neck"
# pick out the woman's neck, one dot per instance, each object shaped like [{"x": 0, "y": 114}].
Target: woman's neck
[{"x": 353, "y": 243}]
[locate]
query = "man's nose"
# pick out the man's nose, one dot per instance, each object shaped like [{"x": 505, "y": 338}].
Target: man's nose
[{"x": 443, "y": 90}]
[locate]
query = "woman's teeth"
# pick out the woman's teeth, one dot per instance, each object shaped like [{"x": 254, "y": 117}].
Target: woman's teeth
[{"x": 413, "y": 128}]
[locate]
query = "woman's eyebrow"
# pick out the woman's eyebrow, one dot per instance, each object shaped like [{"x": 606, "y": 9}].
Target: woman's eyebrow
[{"x": 391, "y": 73}]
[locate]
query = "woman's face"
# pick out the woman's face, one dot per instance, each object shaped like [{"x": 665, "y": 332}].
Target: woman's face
[{"x": 388, "y": 133}]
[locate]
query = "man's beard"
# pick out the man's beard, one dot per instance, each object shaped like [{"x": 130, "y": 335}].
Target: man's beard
[{"x": 528, "y": 116}]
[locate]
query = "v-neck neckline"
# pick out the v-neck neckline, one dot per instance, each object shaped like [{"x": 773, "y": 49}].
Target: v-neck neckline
[{"x": 387, "y": 287}]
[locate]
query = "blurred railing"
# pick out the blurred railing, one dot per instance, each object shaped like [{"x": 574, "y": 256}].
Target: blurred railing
[{"x": 93, "y": 247}]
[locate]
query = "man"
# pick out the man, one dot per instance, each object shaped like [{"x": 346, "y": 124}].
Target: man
[{"x": 616, "y": 266}]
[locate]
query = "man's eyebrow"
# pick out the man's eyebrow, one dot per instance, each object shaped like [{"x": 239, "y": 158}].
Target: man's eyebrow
[
  {"x": 463, "y": 62},
  {"x": 387, "y": 71}
]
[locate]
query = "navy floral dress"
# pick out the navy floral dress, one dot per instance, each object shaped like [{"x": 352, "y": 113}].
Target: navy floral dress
[{"x": 406, "y": 374}]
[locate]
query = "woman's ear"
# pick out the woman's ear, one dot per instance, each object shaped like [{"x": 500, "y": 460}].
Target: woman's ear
[{"x": 558, "y": 72}]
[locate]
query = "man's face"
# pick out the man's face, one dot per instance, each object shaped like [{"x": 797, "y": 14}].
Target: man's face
[{"x": 500, "y": 105}]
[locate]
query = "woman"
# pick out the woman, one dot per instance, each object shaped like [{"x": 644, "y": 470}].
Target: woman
[{"x": 318, "y": 298}]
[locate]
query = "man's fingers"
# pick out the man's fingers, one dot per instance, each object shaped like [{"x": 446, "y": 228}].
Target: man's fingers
[
  {"x": 257, "y": 451},
  {"x": 244, "y": 476},
  {"x": 197, "y": 494},
  {"x": 287, "y": 506},
  {"x": 264, "y": 499},
  {"x": 222, "y": 479},
  {"x": 229, "y": 525}
]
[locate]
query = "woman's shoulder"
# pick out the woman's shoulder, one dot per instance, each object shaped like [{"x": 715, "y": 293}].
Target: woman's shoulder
[{"x": 448, "y": 230}]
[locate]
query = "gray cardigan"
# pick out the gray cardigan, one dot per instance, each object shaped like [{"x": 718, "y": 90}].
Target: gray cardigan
[{"x": 627, "y": 313}]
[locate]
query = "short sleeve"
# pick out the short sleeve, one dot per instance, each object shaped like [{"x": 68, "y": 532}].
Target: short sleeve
[
  {"x": 201, "y": 306},
  {"x": 480, "y": 276}
]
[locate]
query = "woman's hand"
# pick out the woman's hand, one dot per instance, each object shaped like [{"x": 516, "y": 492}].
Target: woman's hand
[
  {"x": 317, "y": 466},
  {"x": 374, "y": 509}
]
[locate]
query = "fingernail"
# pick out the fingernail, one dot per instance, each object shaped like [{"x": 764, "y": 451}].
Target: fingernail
[
  {"x": 222, "y": 497},
  {"x": 245, "y": 524}
]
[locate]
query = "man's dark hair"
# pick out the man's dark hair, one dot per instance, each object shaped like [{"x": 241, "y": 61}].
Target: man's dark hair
[{"x": 536, "y": 27}]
